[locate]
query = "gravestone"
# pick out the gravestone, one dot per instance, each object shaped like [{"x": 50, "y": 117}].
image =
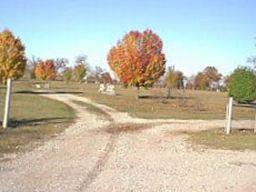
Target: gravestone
[
  {"x": 110, "y": 90},
  {"x": 102, "y": 88}
]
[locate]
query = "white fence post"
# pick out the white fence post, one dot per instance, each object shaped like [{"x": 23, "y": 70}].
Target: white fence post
[
  {"x": 7, "y": 103},
  {"x": 255, "y": 124},
  {"x": 229, "y": 115}
]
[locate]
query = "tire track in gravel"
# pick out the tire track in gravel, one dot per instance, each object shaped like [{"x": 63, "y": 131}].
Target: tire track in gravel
[{"x": 99, "y": 166}]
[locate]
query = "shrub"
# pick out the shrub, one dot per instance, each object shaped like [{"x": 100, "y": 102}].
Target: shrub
[{"x": 242, "y": 85}]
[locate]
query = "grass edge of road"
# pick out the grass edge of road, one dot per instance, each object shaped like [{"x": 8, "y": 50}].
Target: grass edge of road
[
  {"x": 27, "y": 131},
  {"x": 238, "y": 140}
]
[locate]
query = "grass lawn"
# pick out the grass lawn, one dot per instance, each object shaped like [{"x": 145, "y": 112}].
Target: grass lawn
[
  {"x": 33, "y": 119},
  {"x": 217, "y": 139},
  {"x": 190, "y": 104}
]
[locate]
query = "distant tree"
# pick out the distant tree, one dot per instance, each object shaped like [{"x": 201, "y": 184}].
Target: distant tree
[
  {"x": 12, "y": 65},
  {"x": 31, "y": 65},
  {"x": 106, "y": 78},
  {"x": 45, "y": 70},
  {"x": 179, "y": 79},
  {"x": 252, "y": 60},
  {"x": 173, "y": 79},
  {"x": 201, "y": 81},
  {"x": 212, "y": 76},
  {"x": 79, "y": 71},
  {"x": 60, "y": 64},
  {"x": 137, "y": 59},
  {"x": 191, "y": 82},
  {"x": 242, "y": 85},
  {"x": 97, "y": 73},
  {"x": 67, "y": 74},
  {"x": 226, "y": 82}
]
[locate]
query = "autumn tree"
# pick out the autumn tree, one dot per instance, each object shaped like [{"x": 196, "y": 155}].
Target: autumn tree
[
  {"x": 60, "y": 64},
  {"x": 173, "y": 79},
  {"x": 80, "y": 69},
  {"x": 12, "y": 65},
  {"x": 12, "y": 57},
  {"x": 106, "y": 78},
  {"x": 200, "y": 81},
  {"x": 208, "y": 79},
  {"x": 67, "y": 74},
  {"x": 137, "y": 59},
  {"x": 45, "y": 70},
  {"x": 213, "y": 76}
]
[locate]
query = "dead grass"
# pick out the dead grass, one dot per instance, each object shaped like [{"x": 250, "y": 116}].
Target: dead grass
[
  {"x": 217, "y": 139},
  {"x": 127, "y": 128},
  {"x": 190, "y": 104},
  {"x": 32, "y": 120}
]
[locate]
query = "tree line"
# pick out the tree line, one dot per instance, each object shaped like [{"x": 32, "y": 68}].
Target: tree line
[{"x": 137, "y": 60}]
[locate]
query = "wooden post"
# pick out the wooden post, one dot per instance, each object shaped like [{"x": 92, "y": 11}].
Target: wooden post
[
  {"x": 7, "y": 103},
  {"x": 229, "y": 116}
]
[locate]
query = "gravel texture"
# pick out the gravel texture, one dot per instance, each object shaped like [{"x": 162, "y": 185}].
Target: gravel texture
[{"x": 85, "y": 157}]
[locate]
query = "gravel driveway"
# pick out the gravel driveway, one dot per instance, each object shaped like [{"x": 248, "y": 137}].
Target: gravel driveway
[{"x": 89, "y": 157}]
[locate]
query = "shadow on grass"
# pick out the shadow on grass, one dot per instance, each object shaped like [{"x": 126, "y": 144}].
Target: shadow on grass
[
  {"x": 162, "y": 97},
  {"x": 40, "y": 121},
  {"x": 250, "y": 105},
  {"x": 47, "y": 92}
]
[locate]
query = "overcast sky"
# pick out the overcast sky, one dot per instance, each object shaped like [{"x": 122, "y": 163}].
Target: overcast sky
[{"x": 195, "y": 33}]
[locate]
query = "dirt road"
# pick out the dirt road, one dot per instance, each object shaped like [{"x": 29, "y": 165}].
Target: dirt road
[{"x": 89, "y": 156}]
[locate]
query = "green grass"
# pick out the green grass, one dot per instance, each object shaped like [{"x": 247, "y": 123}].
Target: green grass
[
  {"x": 93, "y": 109},
  {"x": 217, "y": 139},
  {"x": 33, "y": 118},
  {"x": 190, "y": 104}
]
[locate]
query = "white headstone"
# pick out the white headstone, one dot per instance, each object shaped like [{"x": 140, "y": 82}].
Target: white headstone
[
  {"x": 102, "y": 88},
  {"x": 110, "y": 90}
]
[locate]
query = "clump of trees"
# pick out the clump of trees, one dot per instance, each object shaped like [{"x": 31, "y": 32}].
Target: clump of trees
[
  {"x": 12, "y": 65},
  {"x": 137, "y": 59},
  {"x": 52, "y": 69},
  {"x": 208, "y": 79},
  {"x": 242, "y": 86}
]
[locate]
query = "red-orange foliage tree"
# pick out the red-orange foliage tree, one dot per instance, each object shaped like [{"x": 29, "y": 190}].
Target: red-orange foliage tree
[
  {"x": 45, "y": 70},
  {"x": 137, "y": 59}
]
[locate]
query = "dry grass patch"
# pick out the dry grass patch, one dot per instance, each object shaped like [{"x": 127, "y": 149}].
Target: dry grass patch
[
  {"x": 190, "y": 104},
  {"x": 127, "y": 128},
  {"x": 217, "y": 139}
]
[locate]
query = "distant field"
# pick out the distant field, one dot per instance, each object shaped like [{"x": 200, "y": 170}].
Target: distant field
[
  {"x": 187, "y": 104},
  {"x": 33, "y": 118}
]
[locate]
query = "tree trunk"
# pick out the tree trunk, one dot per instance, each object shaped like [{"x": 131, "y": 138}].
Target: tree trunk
[
  {"x": 138, "y": 93},
  {"x": 169, "y": 93},
  {"x": 7, "y": 103}
]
